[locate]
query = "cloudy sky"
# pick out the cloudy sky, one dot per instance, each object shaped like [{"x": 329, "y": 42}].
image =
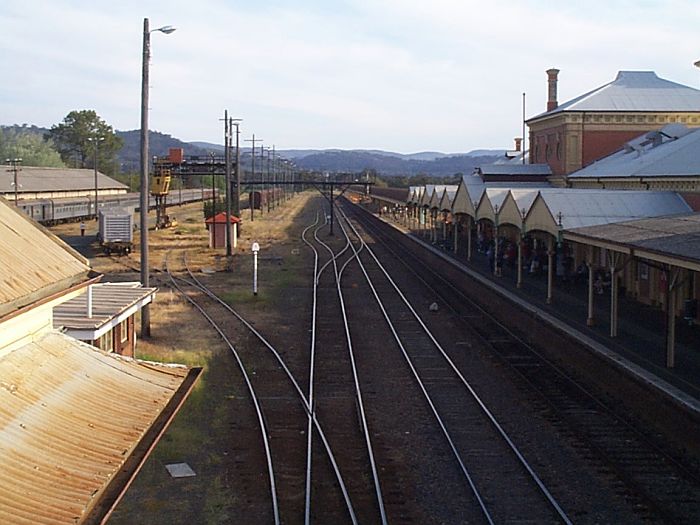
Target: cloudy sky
[{"x": 400, "y": 75}]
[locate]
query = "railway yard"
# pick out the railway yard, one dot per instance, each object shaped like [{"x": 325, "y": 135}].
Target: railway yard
[{"x": 370, "y": 381}]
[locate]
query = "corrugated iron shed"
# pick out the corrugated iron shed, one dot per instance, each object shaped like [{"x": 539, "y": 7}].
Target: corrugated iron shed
[
  {"x": 64, "y": 432},
  {"x": 35, "y": 179},
  {"x": 634, "y": 91},
  {"x": 109, "y": 300},
  {"x": 36, "y": 264}
]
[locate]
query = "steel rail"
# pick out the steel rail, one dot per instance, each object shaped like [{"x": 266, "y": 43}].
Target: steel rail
[
  {"x": 356, "y": 379},
  {"x": 530, "y": 470},
  {"x": 426, "y": 395},
  {"x": 560, "y": 373},
  {"x": 305, "y": 402},
  {"x": 312, "y": 358},
  {"x": 249, "y": 385}
]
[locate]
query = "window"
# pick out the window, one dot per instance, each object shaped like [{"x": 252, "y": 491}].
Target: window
[
  {"x": 643, "y": 271},
  {"x": 106, "y": 341},
  {"x": 124, "y": 330}
]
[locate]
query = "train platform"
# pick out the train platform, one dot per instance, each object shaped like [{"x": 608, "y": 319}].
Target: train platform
[{"x": 641, "y": 342}]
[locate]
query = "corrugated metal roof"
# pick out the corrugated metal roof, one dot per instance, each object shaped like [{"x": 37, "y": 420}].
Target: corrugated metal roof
[
  {"x": 524, "y": 198},
  {"x": 580, "y": 207},
  {"x": 475, "y": 186},
  {"x": 678, "y": 236},
  {"x": 220, "y": 218},
  {"x": 33, "y": 179},
  {"x": 675, "y": 154},
  {"x": 35, "y": 263},
  {"x": 634, "y": 91},
  {"x": 108, "y": 301},
  {"x": 71, "y": 415},
  {"x": 516, "y": 169},
  {"x": 496, "y": 196}
]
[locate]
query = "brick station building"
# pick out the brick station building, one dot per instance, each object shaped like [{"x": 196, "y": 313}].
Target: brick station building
[{"x": 591, "y": 126}]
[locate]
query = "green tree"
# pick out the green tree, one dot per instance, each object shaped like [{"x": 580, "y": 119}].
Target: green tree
[
  {"x": 75, "y": 140},
  {"x": 30, "y": 147}
]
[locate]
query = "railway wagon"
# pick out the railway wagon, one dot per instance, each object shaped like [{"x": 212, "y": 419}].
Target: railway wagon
[
  {"x": 53, "y": 211},
  {"x": 116, "y": 230},
  {"x": 260, "y": 198}
]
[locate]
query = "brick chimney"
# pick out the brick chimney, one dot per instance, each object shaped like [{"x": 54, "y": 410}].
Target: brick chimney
[
  {"x": 518, "y": 143},
  {"x": 552, "y": 89}
]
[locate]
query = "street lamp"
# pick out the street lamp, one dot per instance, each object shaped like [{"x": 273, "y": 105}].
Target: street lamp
[
  {"x": 146, "y": 312},
  {"x": 96, "y": 140}
]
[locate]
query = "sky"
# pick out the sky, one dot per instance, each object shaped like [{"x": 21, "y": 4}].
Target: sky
[{"x": 398, "y": 75}]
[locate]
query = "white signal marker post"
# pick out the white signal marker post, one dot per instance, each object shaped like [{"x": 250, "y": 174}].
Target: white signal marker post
[{"x": 256, "y": 249}]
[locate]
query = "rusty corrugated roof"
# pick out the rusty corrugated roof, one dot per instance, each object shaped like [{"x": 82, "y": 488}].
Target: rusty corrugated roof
[
  {"x": 109, "y": 300},
  {"x": 35, "y": 263},
  {"x": 70, "y": 416}
]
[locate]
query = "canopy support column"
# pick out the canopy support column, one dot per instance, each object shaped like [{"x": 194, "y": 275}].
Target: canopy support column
[
  {"x": 672, "y": 280},
  {"x": 589, "y": 264},
  {"x": 519, "y": 283},
  {"x": 444, "y": 227},
  {"x": 455, "y": 225},
  {"x": 469, "y": 238},
  {"x": 550, "y": 269},
  {"x": 496, "y": 268},
  {"x": 613, "y": 259}
]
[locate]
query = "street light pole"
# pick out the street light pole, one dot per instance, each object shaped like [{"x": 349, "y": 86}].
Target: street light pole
[
  {"x": 146, "y": 56},
  {"x": 96, "y": 140}
]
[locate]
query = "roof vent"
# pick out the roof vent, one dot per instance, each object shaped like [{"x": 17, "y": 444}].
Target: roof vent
[{"x": 655, "y": 138}]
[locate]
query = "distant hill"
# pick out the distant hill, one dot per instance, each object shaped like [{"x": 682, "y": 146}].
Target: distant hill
[
  {"x": 389, "y": 163},
  {"x": 356, "y": 161}
]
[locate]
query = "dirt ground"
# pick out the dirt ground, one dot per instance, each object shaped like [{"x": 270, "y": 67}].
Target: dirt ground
[{"x": 202, "y": 434}]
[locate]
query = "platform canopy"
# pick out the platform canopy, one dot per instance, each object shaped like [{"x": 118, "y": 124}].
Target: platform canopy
[
  {"x": 666, "y": 240},
  {"x": 561, "y": 209}
]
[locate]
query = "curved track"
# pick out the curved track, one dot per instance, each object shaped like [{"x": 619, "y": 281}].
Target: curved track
[{"x": 281, "y": 410}]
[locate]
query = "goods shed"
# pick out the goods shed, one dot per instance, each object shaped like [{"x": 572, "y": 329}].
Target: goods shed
[{"x": 55, "y": 183}]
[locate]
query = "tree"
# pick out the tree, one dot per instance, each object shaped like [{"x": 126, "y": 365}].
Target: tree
[
  {"x": 74, "y": 139},
  {"x": 30, "y": 147}
]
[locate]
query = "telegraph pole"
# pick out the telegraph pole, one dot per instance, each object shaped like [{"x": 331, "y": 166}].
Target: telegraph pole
[
  {"x": 252, "y": 180},
  {"x": 227, "y": 161},
  {"x": 14, "y": 170},
  {"x": 237, "y": 201}
]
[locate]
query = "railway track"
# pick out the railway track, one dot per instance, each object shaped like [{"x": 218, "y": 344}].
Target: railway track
[
  {"x": 652, "y": 481},
  {"x": 280, "y": 410},
  {"x": 484, "y": 459},
  {"x": 334, "y": 385}
]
